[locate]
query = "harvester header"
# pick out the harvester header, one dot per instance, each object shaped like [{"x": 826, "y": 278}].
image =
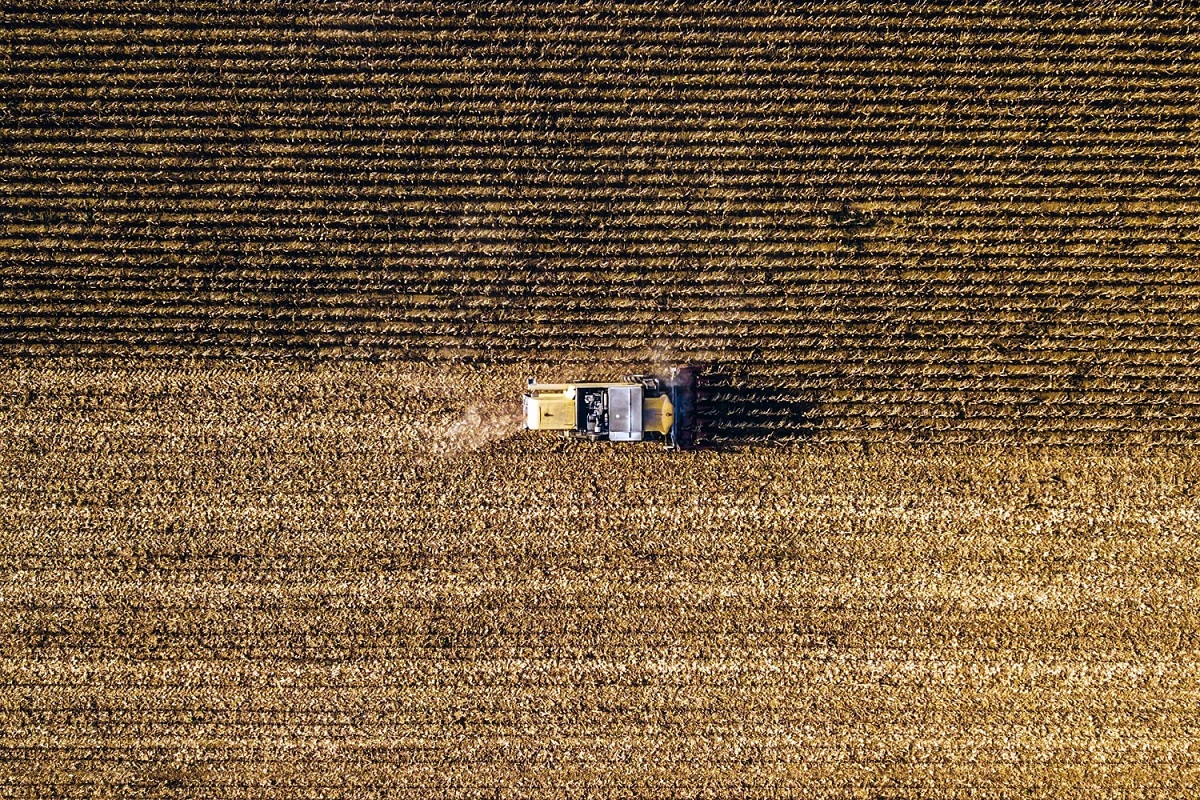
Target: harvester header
[{"x": 640, "y": 407}]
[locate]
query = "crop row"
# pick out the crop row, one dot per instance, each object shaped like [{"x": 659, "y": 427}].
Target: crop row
[
  {"x": 820, "y": 322},
  {"x": 756, "y": 14},
  {"x": 965, "y": 342},
  {"x": 510, "y": 53},
  {"x": 749, "y": 249},
  {"x": 701, "y": 21},
  {"x": 1013, "y": 342},
  {"x": 254, "y": 219},
  {"x": 574, "y": 283},
  {"x": 884, "y": 354},
  {"x": 1160, "y": 185},
  {"x": 1139, "y": 315},
  {"x": 392, "y": 142}
]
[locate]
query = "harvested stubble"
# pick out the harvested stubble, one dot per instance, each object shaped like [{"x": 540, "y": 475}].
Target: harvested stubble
[
  {"x": 955, "y": 220},
  {"x": 359, "y": 580}
]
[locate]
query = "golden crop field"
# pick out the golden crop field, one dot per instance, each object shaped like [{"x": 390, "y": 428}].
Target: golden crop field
[
  {"x": 345, "y": 580},
  {"x": 273, "y": 274}
]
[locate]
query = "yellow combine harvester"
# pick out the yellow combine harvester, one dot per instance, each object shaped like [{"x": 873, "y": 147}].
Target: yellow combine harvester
[{"x": 640, "y": 407}]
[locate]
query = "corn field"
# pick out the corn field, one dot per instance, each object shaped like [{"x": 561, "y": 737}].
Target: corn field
[{"x": 273, "y": 275}]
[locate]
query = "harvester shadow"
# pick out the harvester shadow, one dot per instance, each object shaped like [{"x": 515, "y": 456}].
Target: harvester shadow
[{"x": 730, "y": 413}]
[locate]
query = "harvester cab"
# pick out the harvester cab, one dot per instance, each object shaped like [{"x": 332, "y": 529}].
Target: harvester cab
[{"x": 640, "y": 407}]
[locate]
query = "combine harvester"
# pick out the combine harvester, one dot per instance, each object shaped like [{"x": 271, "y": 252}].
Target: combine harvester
[{"x": 641, "y": 407}]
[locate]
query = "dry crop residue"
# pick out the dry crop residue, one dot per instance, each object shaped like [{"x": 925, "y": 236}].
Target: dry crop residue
[{"x": 291, "y": 598}]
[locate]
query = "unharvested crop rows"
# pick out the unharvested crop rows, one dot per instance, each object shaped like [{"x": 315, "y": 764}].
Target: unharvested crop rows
[{"x": 963, "y": 188}]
